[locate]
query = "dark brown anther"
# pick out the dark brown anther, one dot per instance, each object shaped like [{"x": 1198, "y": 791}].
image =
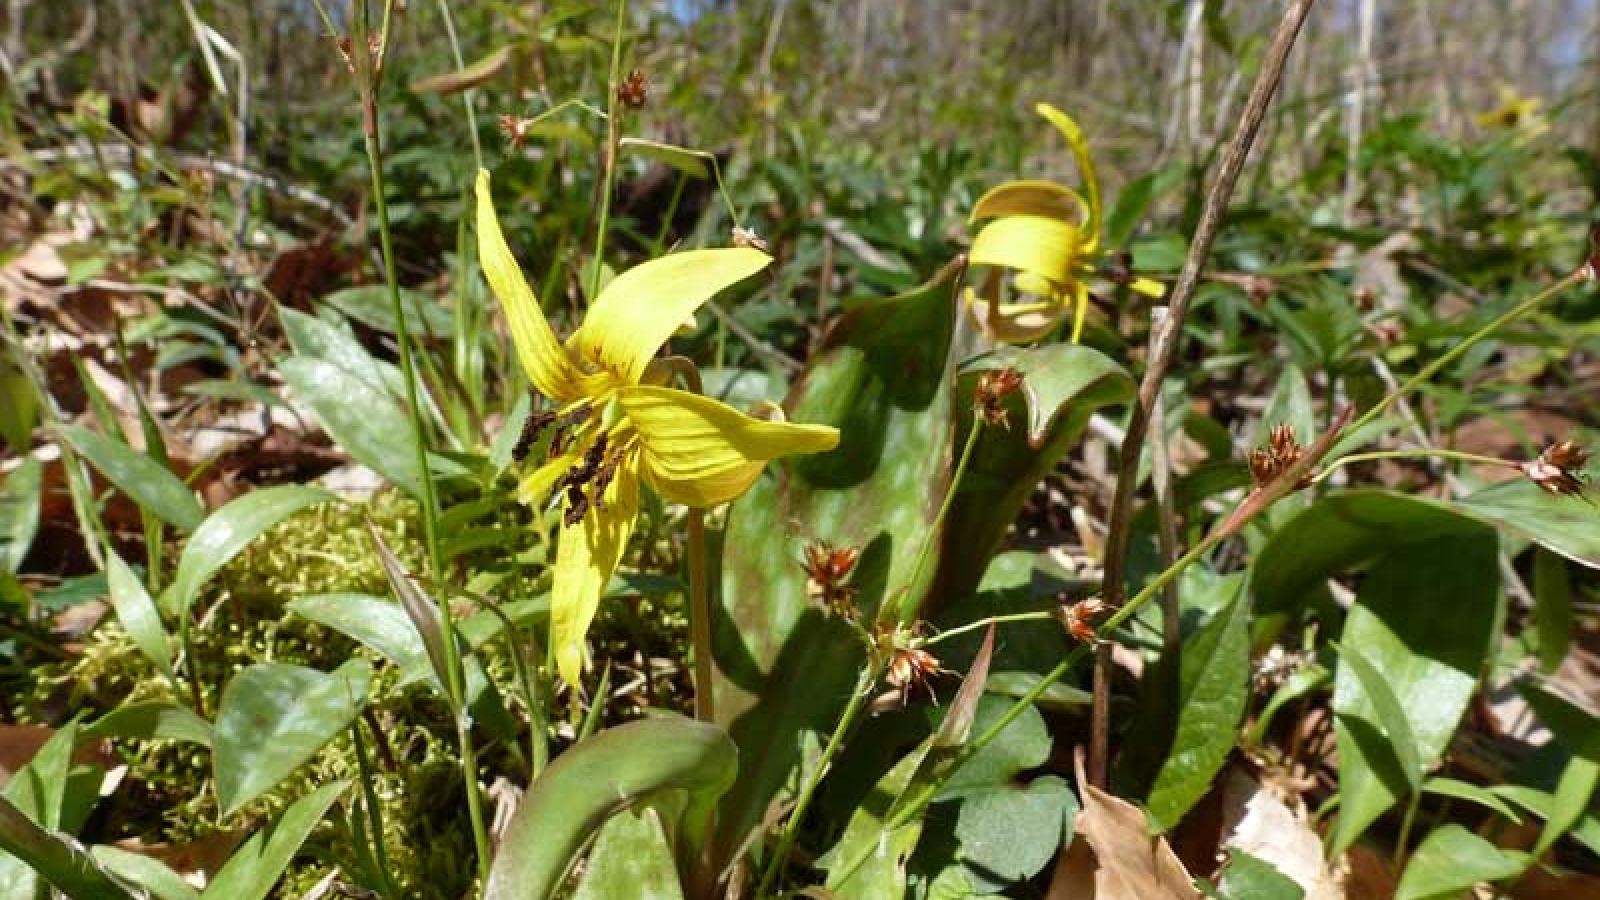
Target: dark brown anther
[
  {"x": 577, "y": 506},
  {"x": 634, "y": 90},
  {"x": 563, "y": 425},
  {"x": 1559, "y": 469},
  {"x": 535, "y": 425},
  {"x": 989, "y": 398},
  {"x": 1119, "y": 268},
  {"x": 603, "y": 477}
]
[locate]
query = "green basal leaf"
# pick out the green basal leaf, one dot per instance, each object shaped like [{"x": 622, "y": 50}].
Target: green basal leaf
[
  {"x": 1214, "y": 687},
  {"x": 367, "y": 421},
  {"x": 1388, "y": 721},
  {"x": 882, "y": 377},
  {"x": 20, "y": 496},
  {"x": 229, "y": 530},
  {"x": 1452, "y": 859},
  {"x": 1562, "y": 524},
  {"x": 29, "y": 854},
  {"x": 590, "y": 782},
  {"x": 631, "y": 858},
  {"x": 141, "y": 477},
  {"x": 273, "y": 717},
  {"x": 1062, "y": 385},
  {"x": 152, "y": 720},
  {"x": 147, "y": 872},
  {"x": 260, "y": 861},
  {"x": 1425, "y": 618},
  {"x": 1250, "y": 878},
  {"x": 137, "y": 612},
  {"x": 1552, "y": 593}
]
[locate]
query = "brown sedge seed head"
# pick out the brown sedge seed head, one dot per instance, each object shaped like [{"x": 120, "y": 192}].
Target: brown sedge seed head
[{"x": 989, "y": 397}]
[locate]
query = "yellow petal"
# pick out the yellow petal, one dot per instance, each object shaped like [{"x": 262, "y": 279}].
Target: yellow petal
[
  {"x": 1080, "y": 308},
  {"x": 1014, "y": 323},
  {"x": 700, "y": 452},
  {"x": 1032, "y": 198},
  {"x": 534, "y": 489},
  {"x": 585, "y": 560},
  {"x": 1080, "y": 148},
  {"x": 1148, "y": 287},
  {"x": 542, "y": 356},
  {"x": 643, "y": 306},
  {"x": 1047, "y": 248}
]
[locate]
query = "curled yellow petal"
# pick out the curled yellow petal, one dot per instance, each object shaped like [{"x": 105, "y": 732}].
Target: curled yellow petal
[
  {"x": 1014, "y": 323},
  {"x": 1148, "y": 287},
  {"x": 1080, "y": 148},
  {"x": 1080, "y": 308},
  {"x": 585, "y": 560},
  {"x": 542, "y": 356},
  {"x": 636, "y": 313},
  {"x": 1032, "y": 198},
  {"x": 1048, "y": 248},
  {"x": 700, "y": 452}
]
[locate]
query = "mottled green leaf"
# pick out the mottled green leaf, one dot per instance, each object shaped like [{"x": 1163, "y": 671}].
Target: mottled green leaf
[
  {"x": 613, "y": 770},
  {"x": 141, "y": 477},
  {"x": 1214, "y": 686},
  {"x": 1425, "y": 618},
  {"x": 152, "y": 720},
  {"x": 147, "y": 872},
  {"x": 1552, "y": 593},
  {"x": 882, "y": 376},
  {"x": 273, "y": 717},
  {"x": 1388, "y": 720},
  {"x": 20, "y": 496},
  {"x": 229, "y": 530},
  {"x": 1566, "y": 525},
  {"x": 367, "y": 421},
  {"x": 631, "y": 858},
  {"x": 1249, "y": 878},
  {"x": 1452, "y": 859},
  {"x": 137, "y": 612},
  {"x": 28, "y": 851},
  {"x": 260, "y": 861}
]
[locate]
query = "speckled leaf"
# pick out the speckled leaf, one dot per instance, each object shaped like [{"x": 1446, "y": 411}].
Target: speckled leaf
[
  {"x": 227, "y": 531},
  {"x": 882, "y": 377},
  {"x": 19, "y": 512},
  {"x": 273, "y": 718},
  {"x": 588, "y": 783},
  {"x": 1567, "y": 525},
  {"x": 367, "y": 421},
  {"x": 1424, "y": 617},
  {"x": 259, "y": 862},
  {"x": 137, "y": 612},
  {"x": 631, "y": 858},
  {"x": 1452, "y": 859},
  {"x": 1214, "y": 686},
  {"x": 1062, "y": 385},
  {"x": 140, "y": 476}
]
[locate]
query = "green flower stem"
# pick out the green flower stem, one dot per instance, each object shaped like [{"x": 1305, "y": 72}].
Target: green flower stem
[
  {"x": 1037, "y": 616},
  {"x": 864, "y": 682},
  {"x": 938, "y": 521},
  {"x": 1420, "y": 453},
  {"x": 608, "y": 162},
  {"x": 374, "y": 811},
  {"x": 1583, "y": 274},
  {"x": 470, "y": 94},
  {"x": 700, "y": 618},
  {"x": 368, "y": 82}
]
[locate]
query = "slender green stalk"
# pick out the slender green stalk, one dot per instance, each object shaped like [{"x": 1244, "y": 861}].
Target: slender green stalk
[
  {"x": 1402, "y": 844},
  {"x": 374, "y": 812},
  {"x": 469, "y": 95},
  {"x": 1419, "y": 453},
  {"x": 1036, "y": 616},
  {"x": 608, "y": 162},
  {"x": 368, "y": 81},
  {"x": 1582, "y": 274},
  {"x": 938, "y": 519},
  {"x": 858, "y": 695}
]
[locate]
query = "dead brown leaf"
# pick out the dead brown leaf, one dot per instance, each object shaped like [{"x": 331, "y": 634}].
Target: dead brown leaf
[{"x": 1127, "y": 862}]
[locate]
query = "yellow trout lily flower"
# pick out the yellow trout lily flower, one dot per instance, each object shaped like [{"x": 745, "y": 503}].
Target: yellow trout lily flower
[
  {"x": 1516, "y": 113},
  {"x": 1048, "y": 235},
  {"x": 617, "y": 424}
]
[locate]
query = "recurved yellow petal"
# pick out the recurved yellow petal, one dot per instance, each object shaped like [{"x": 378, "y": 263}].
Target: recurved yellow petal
[
  {"x": 1148, "y": 287},
  {"x": 1032, "y": 198},
  {"x": 1080, "y": 308},
  {"x": 700, "y": 452},
  {"x": 535, "y": 487},
  {"x": 643, "y": 306},
  {"x": 1048, "y": 248},
  {"x": 1014, "y": 323},
  {"x": 542, "y": 356},
  {"x": 585, "y": 560},
  {"x": 1080, "y": 148}
]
